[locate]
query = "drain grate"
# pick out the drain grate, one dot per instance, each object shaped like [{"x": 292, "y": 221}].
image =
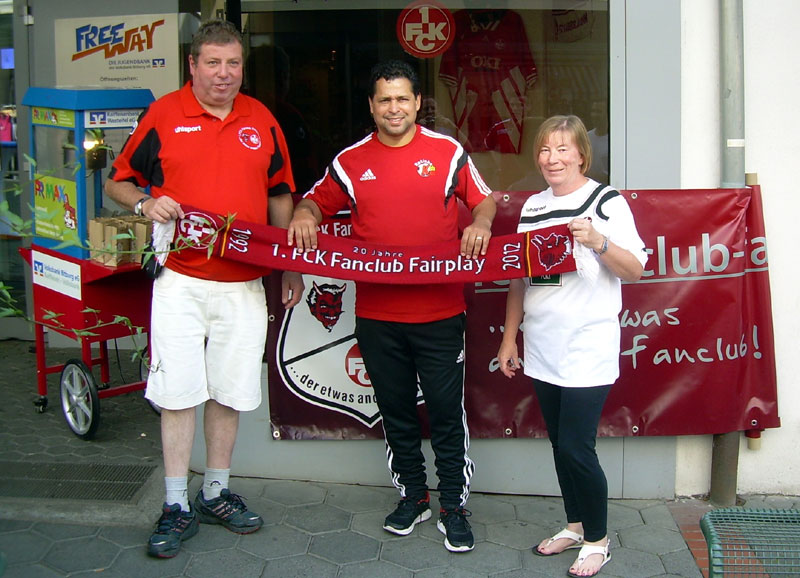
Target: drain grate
[{"x": 59, "y": 481}]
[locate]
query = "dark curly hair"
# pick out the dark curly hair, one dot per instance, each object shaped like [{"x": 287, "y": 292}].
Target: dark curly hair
[{"x": 390, "y": 70}]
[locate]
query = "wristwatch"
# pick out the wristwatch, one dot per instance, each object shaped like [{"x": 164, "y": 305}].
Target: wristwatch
[
  {"x": 137, "y": 208},
  {"x": 604, "y": 248}
]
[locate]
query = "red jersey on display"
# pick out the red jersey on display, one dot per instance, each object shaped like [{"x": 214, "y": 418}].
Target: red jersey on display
[
  {"x": 489, "y": 68},
  {"x": 403, "y": 196},
  {"x": 224, "y": 166}
]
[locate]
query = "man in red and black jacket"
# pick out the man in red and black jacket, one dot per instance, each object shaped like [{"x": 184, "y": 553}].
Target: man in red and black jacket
[{"x": 402, "y": 184}]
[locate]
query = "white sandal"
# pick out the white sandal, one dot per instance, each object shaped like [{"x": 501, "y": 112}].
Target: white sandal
[
  {"x": 568, "y": 534},
  {"x": 586, "y": 551}
]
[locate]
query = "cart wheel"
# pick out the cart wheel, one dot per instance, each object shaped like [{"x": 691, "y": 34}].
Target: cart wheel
[
  {"x": 144, "y": 373},
  {"x": 79, "y": 399},
  {"x": 40, "y": 404}
]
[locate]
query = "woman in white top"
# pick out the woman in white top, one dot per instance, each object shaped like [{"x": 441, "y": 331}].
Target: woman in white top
[{"x": 571, "y": 329}]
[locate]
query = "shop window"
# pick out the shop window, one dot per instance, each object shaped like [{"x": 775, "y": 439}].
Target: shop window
[
  {"x": 12, "y": 272},
  {"x": 309, "y": 62}
]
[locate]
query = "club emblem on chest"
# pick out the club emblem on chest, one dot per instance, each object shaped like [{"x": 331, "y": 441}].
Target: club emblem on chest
[{"x": 425, "y": 168}]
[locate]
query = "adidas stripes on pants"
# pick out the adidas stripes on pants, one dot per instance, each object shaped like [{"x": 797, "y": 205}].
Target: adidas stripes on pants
[{"x": 394, "y": 355}]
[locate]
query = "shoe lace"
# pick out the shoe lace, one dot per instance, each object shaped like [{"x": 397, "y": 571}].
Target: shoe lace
[
  {"x": 457, "y": 518},
  {"x": 169, "y": 520},
  {"x": 235, "y": 502},
  {"x": 407, "y": 505}
]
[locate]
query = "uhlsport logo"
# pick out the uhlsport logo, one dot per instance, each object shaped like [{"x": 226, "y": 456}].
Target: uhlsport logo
[
  {"x": 318, "y": 357},
  {"x": 552, "y": 249}
]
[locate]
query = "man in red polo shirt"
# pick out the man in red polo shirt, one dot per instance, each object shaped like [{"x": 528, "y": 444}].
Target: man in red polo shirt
[{"x": 211, "y": 147}]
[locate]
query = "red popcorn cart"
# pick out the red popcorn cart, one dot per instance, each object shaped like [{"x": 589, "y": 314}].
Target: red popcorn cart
[{"x": 86, "y": 268}]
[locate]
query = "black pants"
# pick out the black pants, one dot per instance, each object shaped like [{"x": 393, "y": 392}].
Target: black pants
[
  {"x": 571, "y": 415},
  {"x": 394, "y": 355}
]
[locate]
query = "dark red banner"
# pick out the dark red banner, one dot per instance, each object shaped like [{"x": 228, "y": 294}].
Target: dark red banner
[{"x": 697, "y": 343}]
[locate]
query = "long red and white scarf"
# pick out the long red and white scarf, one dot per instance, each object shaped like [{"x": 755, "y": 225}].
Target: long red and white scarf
[{"x": 532, "y": 254}]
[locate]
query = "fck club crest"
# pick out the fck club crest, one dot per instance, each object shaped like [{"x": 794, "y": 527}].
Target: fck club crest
[
  {"x": 317, "y": 354},
  {"x": 425, "y": 168},
  {"x": 197, "y": 230},
  {"x": 250, "y": 137}
]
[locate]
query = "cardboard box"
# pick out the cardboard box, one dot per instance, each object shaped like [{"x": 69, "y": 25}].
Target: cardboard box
[{"x": 108, "y": 248}]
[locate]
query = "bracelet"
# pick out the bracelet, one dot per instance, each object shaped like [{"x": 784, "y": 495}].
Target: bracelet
[{"x": 604, "y": 248}]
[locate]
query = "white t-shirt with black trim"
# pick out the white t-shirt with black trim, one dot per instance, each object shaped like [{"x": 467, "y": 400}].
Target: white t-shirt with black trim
[{"x": 571, "y": 327}]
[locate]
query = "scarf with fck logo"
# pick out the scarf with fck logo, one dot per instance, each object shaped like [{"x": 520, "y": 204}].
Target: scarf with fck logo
[{"x": 546, "y": 251}]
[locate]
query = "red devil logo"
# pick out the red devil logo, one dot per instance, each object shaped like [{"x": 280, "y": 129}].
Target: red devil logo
[
  {"x": 553, "y": 249},
  {"x": 325, "y": 303}
]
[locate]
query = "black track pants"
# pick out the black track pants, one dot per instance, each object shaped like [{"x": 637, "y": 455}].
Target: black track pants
[{"x": 394, "y": 355}]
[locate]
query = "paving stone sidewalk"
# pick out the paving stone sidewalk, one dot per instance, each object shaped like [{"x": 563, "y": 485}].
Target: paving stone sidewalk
[{"x": 311, "y": 529}]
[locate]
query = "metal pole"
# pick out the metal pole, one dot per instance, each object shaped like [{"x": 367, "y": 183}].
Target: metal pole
[
  {"x": 724, "y": 469},
  {"x": 725, "y": 452},
  {"x": 731, "y": 50}
]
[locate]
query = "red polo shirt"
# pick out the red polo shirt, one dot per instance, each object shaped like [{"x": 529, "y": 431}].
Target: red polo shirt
[{"x": 223, "y": 166}]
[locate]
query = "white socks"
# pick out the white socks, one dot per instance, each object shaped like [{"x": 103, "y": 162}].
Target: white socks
[
  {"x": 214, "y": 481},
  {"x": 177, "y": 492}
]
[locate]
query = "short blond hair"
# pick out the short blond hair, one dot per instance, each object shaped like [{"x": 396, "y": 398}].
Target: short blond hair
[{"x": 570, "y": 125}]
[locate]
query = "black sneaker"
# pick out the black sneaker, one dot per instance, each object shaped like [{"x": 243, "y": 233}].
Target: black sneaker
[
  {"x": 458, "y": 534},
  {"x": 173, "y": 527},
  {"x": 409, "y": 513},
  {"x": 228, "y": 510}
]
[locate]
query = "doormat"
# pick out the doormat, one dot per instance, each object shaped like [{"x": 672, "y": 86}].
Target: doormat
[{"x": 64, "y": 481}]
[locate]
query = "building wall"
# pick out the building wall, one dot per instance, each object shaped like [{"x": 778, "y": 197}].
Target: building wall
[{"x": 771, "y": 126}]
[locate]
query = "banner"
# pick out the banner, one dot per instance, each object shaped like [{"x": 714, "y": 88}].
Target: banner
[{"x": 696, "y": 352}]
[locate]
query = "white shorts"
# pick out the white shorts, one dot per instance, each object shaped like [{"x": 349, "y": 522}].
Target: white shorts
[{"x": 206, "y": 342}]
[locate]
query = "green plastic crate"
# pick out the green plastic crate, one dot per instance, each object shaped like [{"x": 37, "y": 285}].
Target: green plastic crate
[{"x": 758, "y": 542}]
